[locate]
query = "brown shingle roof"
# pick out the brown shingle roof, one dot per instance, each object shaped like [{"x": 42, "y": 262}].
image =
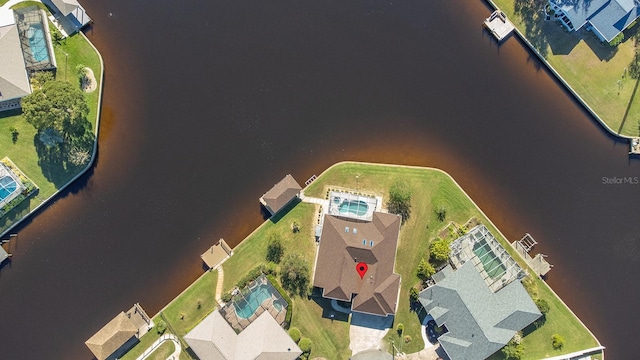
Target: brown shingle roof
[
  {"x": 281, "y": 194},
  {"x": 112, "y": 336},
  {"x": 345, "y": 243}
]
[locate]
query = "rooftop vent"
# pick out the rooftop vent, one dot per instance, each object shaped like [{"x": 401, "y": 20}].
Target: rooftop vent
[{"x": 346, "y": 229}]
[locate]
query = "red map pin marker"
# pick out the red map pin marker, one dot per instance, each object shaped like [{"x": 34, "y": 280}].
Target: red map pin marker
[{"x": 361, "y": 268}]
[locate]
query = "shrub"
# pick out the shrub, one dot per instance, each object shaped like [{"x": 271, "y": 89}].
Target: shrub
[
  {"x": 275, "y": 249},
  {"x": 441, "y": 213},
  {"x": 305, "y": 345},
  {"x": 543, "y": 306},
  {"x": 513, "y": 350},
  {"x": 400, "y": 329},
  {"x": 557, "y": 341},
  {"x": 439, "y": 249},
  {"x": 285, "y": 296},
  {"x": 295, "y": 334},
  {"x": 407, "y": 339},
  {"x": 226, "y": 297},
  {"x": 14, "y": 134},
  {"x": 161, "y": 327},
  {"x": 617, "y": 40},
  {"x": 413, "y": 294},
  {"x": 425, "y": 270}
]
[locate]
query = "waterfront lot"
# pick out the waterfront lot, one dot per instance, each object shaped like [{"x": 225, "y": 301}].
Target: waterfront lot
[
  {"x": 594, "y": 70},
  {"x": 46, "y": 173}
]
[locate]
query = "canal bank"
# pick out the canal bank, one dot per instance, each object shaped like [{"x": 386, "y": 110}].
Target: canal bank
[{"x": 616, "y": 134}]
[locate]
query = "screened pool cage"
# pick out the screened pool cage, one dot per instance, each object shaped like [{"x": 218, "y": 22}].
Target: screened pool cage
[{"x": 35, "y": 40}]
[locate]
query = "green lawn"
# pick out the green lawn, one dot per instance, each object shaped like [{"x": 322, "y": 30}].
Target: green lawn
[
  {"x": 49, "y": 177},
  {"x": 431, "y": 189},
  {"x": 163, "y": 351},
  {"x": 591, "y": 68}
]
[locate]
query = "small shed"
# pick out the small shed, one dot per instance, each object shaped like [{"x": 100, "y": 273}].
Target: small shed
[{"x": 281, "y": 194}]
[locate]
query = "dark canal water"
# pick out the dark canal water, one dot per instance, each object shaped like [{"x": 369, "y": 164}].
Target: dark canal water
[{"x": 208, "y": 103}]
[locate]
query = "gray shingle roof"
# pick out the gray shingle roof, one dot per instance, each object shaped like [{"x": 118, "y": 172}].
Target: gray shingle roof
[
  {"x": 608, "y": 17},
  {"x": 14, "y": 81},
  {"x": 479, "y": 322}
]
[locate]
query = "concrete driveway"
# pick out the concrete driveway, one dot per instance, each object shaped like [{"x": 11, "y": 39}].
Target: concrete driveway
[{"x": 366, "y": 331}]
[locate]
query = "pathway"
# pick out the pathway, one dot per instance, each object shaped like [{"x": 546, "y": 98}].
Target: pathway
[
  {"x": 157, "y": 343},
  {"x": 219, "y": 285}
]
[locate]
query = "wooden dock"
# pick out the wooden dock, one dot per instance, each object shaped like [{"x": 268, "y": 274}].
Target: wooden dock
[
  {"x": 634, "y": 146},
  {"x": 538, "y": 263},
  {"x": 499, "y": 25}
]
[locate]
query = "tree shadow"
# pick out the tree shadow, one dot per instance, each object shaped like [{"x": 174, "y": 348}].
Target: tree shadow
[{"x": 54, "y": 160}]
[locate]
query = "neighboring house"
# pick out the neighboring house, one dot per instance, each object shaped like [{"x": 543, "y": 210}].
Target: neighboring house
[
  {"x": 345, "y": 243},
  {"x": 482, "y": 303},
  {"x": 606, "y": 18},
  {"x": 281, "y": 194},
  {"x": 14, "y": 80},
  {"x": 263, "y": 339},
  {"x": 70, "y": 13},
  {"x": 120, "y": 334},
  {"x": 25, "y": 47}
]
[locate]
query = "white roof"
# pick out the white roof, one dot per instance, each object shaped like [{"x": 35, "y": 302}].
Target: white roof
[
  {"x": 14, "y": 81},
  {"x": 214, "y": 339}
]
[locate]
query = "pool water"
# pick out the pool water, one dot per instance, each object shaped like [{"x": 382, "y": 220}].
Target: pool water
[
  {"x": 7, "y": 187},
  {"x": 38, "y": 43},
  {"x": 491, "y": 265},
  {"x": 245, "y": 309},
  {"x": 356, "y": 207}
]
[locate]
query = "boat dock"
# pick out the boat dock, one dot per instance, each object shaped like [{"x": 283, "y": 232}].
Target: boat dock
[
  {"x": 634, "y": 146},
  {"x": 217, "y": 254},
  {"x": 499, "y": 25},
  {"x": 538, "y": 263}
]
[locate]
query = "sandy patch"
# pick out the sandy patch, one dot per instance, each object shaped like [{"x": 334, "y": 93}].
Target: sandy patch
[{"x": 89, "y": 83}]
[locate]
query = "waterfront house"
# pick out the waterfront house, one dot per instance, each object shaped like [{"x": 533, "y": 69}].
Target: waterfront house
[
  {"x": 605, "y": 18},
  {"x": 480, "y": 300},
  {"x": 120, "y": 334},
  {"x": 14, "y": 80},
  {"x": 69, "y": 14},
  {"x": 281, "y": 194},
  {"x": 345, "y": 245},
  {"x": 215, "y": 339},
  {"x": 25, "y": 47}
]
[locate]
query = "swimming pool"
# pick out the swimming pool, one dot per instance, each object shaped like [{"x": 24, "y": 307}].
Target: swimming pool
[
  {"x": 356, "y": 207},
  {"x": 492, "y": 265},
  {"x": 38, "y": 43},
  {"x": 247, "y": 307},
  {"x": 7, "y": 187}
]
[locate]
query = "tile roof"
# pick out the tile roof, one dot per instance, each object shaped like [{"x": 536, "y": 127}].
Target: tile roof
[
  {"x": 281, "y": 194},
  {"x": 345, "y": 243}
]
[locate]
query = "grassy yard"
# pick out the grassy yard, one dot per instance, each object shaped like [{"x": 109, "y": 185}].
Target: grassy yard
[
  {"x": 431, "y": 189},
  {"x": 594, "y": 70},
  {"x": 49, "y": 177}
]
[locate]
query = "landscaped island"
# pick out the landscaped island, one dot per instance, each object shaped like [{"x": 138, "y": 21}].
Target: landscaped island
[
  {"x": 50, "y": 152},
  {"x": 435, "y": 209}
]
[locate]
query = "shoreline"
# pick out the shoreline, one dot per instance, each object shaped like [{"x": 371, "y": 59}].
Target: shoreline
[
  {"x": 563, "y": 81},
  {"x": 94, "y": 152}
]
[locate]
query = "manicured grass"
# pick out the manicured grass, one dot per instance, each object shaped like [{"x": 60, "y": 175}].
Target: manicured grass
[
  {"x": 2, "y": 2},
  {"x": 145, "y": 341},
  {"x": 198, "y": 301},
  {"x": 163, "y": 351},
  {"x": 591, "y": 68},
  {"x": 49, "y": 177},
  {"x": 431, "y": 189},
  {"x": 25, "y": 4}
]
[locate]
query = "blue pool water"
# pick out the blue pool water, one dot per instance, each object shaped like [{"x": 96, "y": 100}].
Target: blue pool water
[
  {"x": 245, "y": 309},
  {"x": 38, "y": 43},
  {"x": 356, "y": 207},
  {"x": 7, "y": 187}
]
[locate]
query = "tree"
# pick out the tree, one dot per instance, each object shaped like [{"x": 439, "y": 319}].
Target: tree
[
  {"x": 57, "y": 107},
  {"x": 400, "y": 329},
  {"x": 161, "y": 327},
  {"x": 295, "y": 274},
  {"x": 557, "y": 341},
  {"x": 295, "y": 334},
  {"x": 425, "y": 270},
  {"x": 275, "y": 249},
  {"x": 413, "y": 294},
  {"x": 399, "y": 202},
  {"x": 439, "y": 249},
  {"x": 543, "y": 306}
]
